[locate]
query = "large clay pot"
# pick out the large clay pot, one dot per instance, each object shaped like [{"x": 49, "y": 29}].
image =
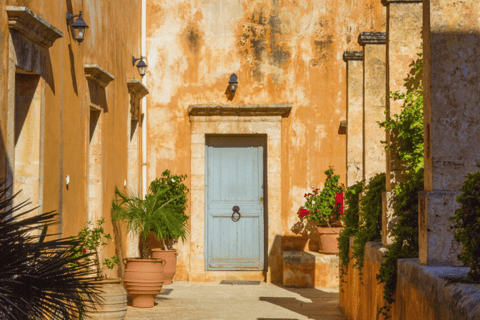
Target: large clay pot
[
  {"x": 328, "y": 239},
  {"x": 114, "y": 301},
  {"x": 143, "y": 280},
  {"x": 170, "y": 257}
]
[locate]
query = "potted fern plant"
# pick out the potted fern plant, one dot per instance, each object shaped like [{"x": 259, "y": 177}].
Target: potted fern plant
[
  {"x": 324, "y": 208},
  {"x": 168, "y": 187},
  {"x": 144, "y": 276},
  {"x": 90, "y": 240}
]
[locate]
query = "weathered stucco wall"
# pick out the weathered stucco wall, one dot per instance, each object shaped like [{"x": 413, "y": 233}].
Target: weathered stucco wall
[
  {"x": 282, "y": 51},
  {"x": 110, "y": 44}
]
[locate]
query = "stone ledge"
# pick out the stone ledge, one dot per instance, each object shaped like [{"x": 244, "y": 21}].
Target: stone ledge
[
  {"x": 240, "y": 110},
  {"x": 452, "y": 301},
  {"x": 33, "y": 27},
  {"x": 387, "y": 2},
  {"x": 352, "y": 55},
  {"x": 372, "y": 38},
  {"x": 97, "y": 75},
  {"x": 138, "y": 88}
]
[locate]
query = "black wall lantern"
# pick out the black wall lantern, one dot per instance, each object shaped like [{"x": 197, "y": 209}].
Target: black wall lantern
[
  {"x": 79, "y": 26},
  {"x": 233, "y": 83},
  {"x": 141, "y": 66}
]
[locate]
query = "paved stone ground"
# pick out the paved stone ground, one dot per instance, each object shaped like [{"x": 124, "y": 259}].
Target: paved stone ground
[{"x": 247, "y": 302}]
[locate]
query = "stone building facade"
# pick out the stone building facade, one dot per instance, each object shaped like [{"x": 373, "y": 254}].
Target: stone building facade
[
  {"x": 313, "y": 80},
  {"x": 69, "y": 111}
]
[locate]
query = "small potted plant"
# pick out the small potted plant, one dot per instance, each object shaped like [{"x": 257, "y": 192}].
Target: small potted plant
[
  {"x": 325, "y": 208},
  {"x": 144, "y": 276},
  {"x": 174, "y": 226},
  {"x": 91, "y": 239}
]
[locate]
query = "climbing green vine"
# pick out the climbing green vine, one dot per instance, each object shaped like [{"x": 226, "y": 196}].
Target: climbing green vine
[
  {"x": 406, "y": 130},
  {"x": 466, "y": 222},
  {"x": 370, "y": 224},
  {"x": 350, "y": 221}
]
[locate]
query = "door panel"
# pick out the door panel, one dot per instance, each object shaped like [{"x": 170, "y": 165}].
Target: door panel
[{"x": 234, "y": 177}]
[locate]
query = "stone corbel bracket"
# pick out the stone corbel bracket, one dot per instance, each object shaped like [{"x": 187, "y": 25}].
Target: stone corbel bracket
[
  {"x": 97, "y": 75},
  {"x": 240, "y": 110},
  {"x": 372, "y": 38},
  {"x": 352, "y": 55},
  {"x": 32, "y": 26},
  {"x": 136, "y": 87},
  {"x": 137, "y": 91}
]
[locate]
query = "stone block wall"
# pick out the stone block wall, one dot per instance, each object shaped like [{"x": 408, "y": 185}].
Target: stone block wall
[{"x": 422, "y": 292}]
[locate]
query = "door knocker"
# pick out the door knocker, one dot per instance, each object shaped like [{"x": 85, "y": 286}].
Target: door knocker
[{"x": 236, "y": 210}]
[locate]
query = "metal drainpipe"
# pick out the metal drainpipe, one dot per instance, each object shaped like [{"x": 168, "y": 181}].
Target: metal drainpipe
[{"x": 144, "y": 103}]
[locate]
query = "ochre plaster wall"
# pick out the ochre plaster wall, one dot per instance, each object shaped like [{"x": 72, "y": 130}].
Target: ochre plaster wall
[
  {"x": 282, "y": 51},
  {"x": 113, "y": 37}
]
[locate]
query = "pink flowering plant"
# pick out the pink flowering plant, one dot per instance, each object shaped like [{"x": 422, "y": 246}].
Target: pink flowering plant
[{"x": 324, "y": 207}]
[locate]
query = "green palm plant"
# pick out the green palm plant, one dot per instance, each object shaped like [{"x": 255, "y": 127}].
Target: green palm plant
[
  {"x": 36, "y": 277},
  {"x": 154, "y": 213}
]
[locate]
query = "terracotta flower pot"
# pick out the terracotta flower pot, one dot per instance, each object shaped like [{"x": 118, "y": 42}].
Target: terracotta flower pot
[
  {"x": 328, "y": 239},
  {"x": 170, "y": 257},
  {"x": 114, "y": 301},
  {"x": 143, "y": 280}
]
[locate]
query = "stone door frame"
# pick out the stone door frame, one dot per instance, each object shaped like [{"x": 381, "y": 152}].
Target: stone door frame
[{"x": 235, "y": 119}]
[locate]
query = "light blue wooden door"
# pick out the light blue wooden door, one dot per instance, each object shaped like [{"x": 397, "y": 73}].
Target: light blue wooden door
[{"x": 234, "y": 177}]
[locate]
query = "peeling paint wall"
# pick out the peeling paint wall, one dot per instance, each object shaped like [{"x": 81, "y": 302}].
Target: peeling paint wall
[
  {"x": 283, "y": 51},
  {"x": 113, "y": 37}
]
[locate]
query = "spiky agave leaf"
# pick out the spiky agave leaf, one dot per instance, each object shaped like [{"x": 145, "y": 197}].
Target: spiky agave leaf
[{"x": 36, "y": 277}]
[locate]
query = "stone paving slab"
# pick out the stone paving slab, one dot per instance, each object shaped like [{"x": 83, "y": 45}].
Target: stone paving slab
[{"x": 214, "y": 301}]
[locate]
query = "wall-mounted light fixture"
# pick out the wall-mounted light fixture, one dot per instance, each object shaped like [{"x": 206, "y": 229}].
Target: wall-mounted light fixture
[
  {"x": 141, "y": 65},
  {"x": 233, "y": 83},
  {"x": 79, "y": 26}
]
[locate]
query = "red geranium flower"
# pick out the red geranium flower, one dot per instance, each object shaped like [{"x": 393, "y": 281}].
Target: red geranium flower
[
  {"x": 84, "y": 251},
  {"x": 302, "y": 213},
  {"x": 339, "y": 202}
]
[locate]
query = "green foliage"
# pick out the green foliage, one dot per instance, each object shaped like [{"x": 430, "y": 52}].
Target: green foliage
[
  {"x": 158, "y": 212},
  {"x": 406, "y": 129},
  {"x": 467, "y": 224},
  {"x": 407, "y": 148},
  {"x": 404, "y": 234},
  {"x": 174, "y": 189},
  {"x": 350, "y": 219},
  {"x": 321, "y": 205},
  {"x": 370, "y": 224},
  {"x": 91, "y": 238}
]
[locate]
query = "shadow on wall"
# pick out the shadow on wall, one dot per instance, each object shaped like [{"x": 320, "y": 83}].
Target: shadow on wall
[
  {"x": 306, "y": 237},
  {"x": 323, "y": 304}
]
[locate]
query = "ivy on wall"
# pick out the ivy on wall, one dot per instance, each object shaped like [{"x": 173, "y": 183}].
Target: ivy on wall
[
  {"x": 370, "y": 225},
  {"x": 350, "y": 221},
  {"x": 406, "y": 130},
  {"x": 467, "y": 224}
]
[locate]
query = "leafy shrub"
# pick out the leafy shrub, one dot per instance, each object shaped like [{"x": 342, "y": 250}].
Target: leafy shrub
[
  {"x": 350, "y": 221},
  {"x": 370, "y": 225},
  {"x": 467, "y": 224}
]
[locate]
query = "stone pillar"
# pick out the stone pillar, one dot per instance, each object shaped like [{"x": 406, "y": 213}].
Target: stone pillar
[
  {"x": 452, "y": 120},
  {"x": 374, "y": 101},
  {"x": 354, "y": 60},
  {"x": 404, "y": 27}
]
